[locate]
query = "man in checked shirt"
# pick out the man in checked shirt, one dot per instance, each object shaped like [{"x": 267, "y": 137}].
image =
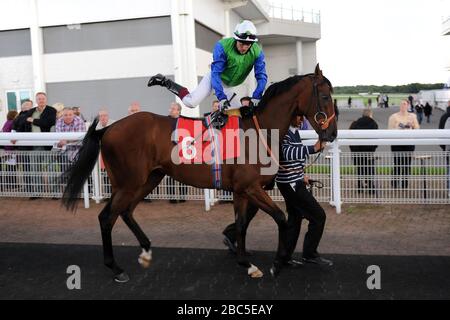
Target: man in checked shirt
[{"x": 69, "y": 122}]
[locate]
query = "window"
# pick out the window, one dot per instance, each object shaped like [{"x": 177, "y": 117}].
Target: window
[{"x": 14, "y": 98}]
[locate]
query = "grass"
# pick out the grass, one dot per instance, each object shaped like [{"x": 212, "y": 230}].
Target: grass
[
  {"x": 394, "y": 98},
  {"x": 351, "y": 170}
]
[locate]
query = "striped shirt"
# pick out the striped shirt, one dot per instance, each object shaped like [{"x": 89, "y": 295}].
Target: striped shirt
[{"x": 293, "y": 157}]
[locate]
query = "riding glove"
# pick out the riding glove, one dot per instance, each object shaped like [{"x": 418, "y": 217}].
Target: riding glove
[
  {"x": 255, "y": 102},
  {"x": 224, "y": 104}
]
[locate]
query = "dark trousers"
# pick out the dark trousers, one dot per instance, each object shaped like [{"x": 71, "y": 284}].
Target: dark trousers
[
  {"x": 365, "y": 168},
  {"x": 402, "y": 165},
  {"x": 301, "y": 204}
]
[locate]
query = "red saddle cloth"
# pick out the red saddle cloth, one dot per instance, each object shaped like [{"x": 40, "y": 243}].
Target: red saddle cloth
[{"x": 199, "y": 144}]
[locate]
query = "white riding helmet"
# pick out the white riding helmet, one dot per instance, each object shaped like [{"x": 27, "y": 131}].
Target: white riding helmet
[{"x": 245, "y": 31}]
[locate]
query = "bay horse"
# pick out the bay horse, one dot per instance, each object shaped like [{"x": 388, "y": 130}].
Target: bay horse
[{"x": 137, "y": 155}]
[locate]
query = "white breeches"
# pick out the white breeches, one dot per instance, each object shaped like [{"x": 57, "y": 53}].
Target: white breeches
[{"x": 204, "y": 90}]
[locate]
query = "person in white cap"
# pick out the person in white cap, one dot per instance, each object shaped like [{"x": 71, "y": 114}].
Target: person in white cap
[{"x": 233, "y": 60}]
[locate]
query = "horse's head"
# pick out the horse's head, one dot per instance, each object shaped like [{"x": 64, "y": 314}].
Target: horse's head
[{"x": 316, "y": 104}]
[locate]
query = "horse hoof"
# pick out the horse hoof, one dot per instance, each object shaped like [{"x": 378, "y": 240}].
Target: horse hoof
[
  {"x": 145, "y": 258},
  {"x": 254, "y": 272},
  {"x": 257, "y": 274},
  {"x": 122, "y": 278},
  {"x": 144, "y": 263}
]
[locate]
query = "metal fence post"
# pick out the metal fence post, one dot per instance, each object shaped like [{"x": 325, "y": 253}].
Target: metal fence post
[
  {"x": 86, "y": 195},
  {"x": 207, "y": 201},
  {"x": 96, "y": 183},
  {"x": 336, "y": 174},
  {"x": 212, "y": 197}
]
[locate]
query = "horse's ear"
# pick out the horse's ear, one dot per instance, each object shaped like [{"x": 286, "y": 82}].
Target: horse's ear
[{"x": 318, "y": 72}]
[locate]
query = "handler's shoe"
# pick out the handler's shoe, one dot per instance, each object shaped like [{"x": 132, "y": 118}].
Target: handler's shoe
[
  {"x": 292, "y": 263},
  {"x": 319, "y": 261}
]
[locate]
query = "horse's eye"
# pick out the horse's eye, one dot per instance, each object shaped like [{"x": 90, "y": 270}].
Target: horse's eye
[{"x": 325, "y": 98}]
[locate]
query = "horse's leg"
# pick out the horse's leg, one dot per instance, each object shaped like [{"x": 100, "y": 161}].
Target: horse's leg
[
  {"x": 259, "y": 197},
  {"x": 145, "y": 257},
  {"x": 244, "y": 212},
  {"x": 120, "y": 202},
  {"x": 107, "y": 219}
]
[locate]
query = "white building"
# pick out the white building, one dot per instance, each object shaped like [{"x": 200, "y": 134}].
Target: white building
[
  {"x": 100, "y": 53},
  {"x": 446, "y": 32}
]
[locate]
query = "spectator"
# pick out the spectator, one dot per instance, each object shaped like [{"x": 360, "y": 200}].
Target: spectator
[
  {"x": 20, "y": 120},
  {"x": 68, "y": 122},
  {"x": 59, "y": 107},
  {"x": 386, "y": 101},
  {"x": 246, "y": 102},
  {"x": 103, "y": 119},
  {"x": 23, "y": 158},
  {"x": 447, "y": 148},
  {"x": 9, "y": 160},
  {"x": 444, "y": 123},
  {"x": 402, "y": 120},
  {"x": 134, "y": 108},
  {"x": 363, "y": 158},
  {"x": 444, "y": 118},
  {"x": 336, "y": 109},
  {"x": 42, "y": 117},
  {"x": 419, "y": 111},
  {"x": 39, "y": 119},
  {"x": 427, "y": 110},
  {"x": 8, "y": 125},
  {"x": 214, "y": 107},
  {"x": 411, "y": 103},
  {"x": 369, "y": 103},
  {"x": 174, "y": 112},
  {"x": 77, "y": 111},
  {"x": 349, "y": 102}
]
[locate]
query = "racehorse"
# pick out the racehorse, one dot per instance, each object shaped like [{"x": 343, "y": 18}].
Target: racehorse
[{"x": 137, "y": 155}]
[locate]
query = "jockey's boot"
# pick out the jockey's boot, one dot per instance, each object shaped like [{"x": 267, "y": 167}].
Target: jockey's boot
[{"x": 175, "y": 88}]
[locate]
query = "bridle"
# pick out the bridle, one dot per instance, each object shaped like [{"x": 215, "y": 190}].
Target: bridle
[{"x": 323, "y": 123}]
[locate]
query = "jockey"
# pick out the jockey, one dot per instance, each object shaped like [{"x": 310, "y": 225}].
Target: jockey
[{"x": 233, "y": 59}]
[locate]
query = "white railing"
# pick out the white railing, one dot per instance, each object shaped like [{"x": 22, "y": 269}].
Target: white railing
[
  {"x": 292, "y": 13},
  {"x": 380, "y": 177}
]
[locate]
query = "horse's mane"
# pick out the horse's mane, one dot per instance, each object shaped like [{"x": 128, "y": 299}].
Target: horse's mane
[{"x": 278, "y": 88}]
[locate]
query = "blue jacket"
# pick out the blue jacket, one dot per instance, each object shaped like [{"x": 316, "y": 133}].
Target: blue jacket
[{"x": 232, "y": 68}]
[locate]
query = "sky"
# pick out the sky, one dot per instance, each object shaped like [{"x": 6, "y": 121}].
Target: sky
[{"x": 390, "y": 42}]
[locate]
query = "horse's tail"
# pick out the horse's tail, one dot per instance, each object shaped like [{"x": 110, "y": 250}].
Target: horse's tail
[{"x": 80, "y": 170}]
